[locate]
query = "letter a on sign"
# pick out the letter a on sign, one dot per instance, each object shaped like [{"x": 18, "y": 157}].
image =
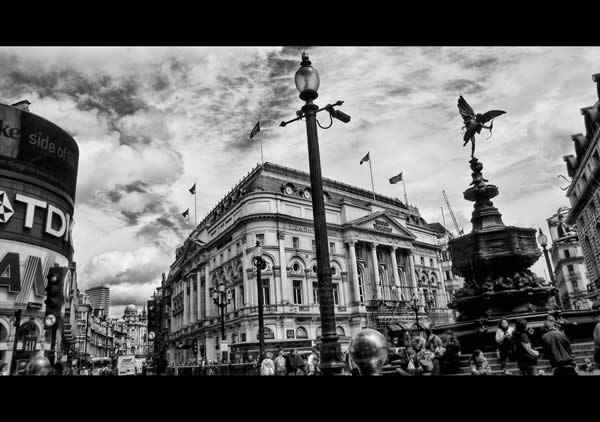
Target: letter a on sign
[{"x": 10, "y": 272}]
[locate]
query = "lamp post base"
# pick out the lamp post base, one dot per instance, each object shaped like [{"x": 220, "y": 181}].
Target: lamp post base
[{"x": 331, "y": 359}]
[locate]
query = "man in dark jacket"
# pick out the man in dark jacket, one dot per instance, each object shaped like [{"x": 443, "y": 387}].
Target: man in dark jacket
[{"x": 557, "y": 349}]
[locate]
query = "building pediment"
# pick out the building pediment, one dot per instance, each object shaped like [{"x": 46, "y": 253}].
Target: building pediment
[{"x": 379, "y": 222}]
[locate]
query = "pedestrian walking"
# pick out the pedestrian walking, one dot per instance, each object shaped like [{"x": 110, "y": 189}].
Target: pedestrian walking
[
  {"x": 525, "y": 356},
  {"x": 479, "y": 364},
  {"x": 313, "y": 363},
  {"x": 504, "y": 342},
  {"x": 267, "y": 367},
  {"x": 299, "y": 363},
  {"x": 280, "y": 364},
  {"x": 557, "y": 349}
]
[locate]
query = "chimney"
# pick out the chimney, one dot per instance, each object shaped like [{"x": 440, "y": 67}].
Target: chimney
[{"x": 22, "y": 105}]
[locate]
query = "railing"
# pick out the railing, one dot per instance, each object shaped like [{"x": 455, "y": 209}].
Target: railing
[{"x": 234, "y": 369}]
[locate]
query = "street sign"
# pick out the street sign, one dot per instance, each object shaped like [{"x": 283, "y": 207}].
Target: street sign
[
  {"x": 29, "y": 344},
  {"x": 224, "y": 347}
]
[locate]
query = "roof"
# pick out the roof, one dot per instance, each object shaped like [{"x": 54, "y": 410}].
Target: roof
[{"x": 437, "y": 227}]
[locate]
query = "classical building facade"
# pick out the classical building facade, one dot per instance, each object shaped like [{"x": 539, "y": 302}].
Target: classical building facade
[
  {"x": 136, "y": 325},
  {"x": 452, "y": 281},
  {"x": 568, "y": 263},
  {"x": 584, "y": 192},
  {"x": 382, "y": 253}
]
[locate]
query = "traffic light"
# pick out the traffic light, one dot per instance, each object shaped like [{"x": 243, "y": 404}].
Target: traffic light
[
  {"x": 195, "y": 347},
  {"x": 54, "y": 297}
]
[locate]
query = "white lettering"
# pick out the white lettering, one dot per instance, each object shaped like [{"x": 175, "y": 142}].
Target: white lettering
[
  {"x": 30, "y": 210},
  {"x": 63, "y": 226}
]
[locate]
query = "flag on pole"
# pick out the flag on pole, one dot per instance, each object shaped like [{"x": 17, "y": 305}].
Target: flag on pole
[
  {"x": 193, "y": 189},
  {"x": 396, "y": 179},
  {"x": 365, "y": 158},
  {"x": 186, "y": 212},
  {"x": 255, "y": 130}
]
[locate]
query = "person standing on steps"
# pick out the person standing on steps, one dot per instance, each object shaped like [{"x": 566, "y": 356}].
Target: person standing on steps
[
  {"x": 525, "y": 356},
  {"x": 557, "y": 349},
  {"x": 504, "y": 335}
]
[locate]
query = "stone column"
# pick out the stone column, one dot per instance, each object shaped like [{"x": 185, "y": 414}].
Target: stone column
[
  {"x": 284, "y": 285},
  {"x": 345, "y": 287},
  {"x": 207, "y": 298},
  {"x": 247, "y": 288},
  {"x": 411, "y": 267},
  {"x": 444, "y": 292},
  {"x": 354, "y": 269},
  {"x": 198, "y": 296},
  {"x": 186, "y": 302},
  {"x": 378, "y": 287},
  {"x": 395, "y": 270},
  {"x": 191, "y": 298}
]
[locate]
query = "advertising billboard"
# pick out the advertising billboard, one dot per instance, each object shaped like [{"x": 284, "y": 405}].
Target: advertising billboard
[{"x": 36, "y": 147}]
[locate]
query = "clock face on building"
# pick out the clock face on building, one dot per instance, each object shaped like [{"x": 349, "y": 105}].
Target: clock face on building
[
  {"x": 288, "y": 190},
  {"x": 306, "y": 194}
]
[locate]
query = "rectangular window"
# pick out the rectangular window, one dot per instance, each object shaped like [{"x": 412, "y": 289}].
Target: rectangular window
[
  {"x": 567, "y": 254},
  {"x": 266, "y": 292},
  {"x": 295, "y": 243},
  {"x": 315, "y": 290},
  {"x": 331, "y": 247},
  {"x": 584, "y": 178},
  {"x": 314, "y": 245},
  {"x": 575, "y": 286},
  {"x": 260, "y": 237},
  {"x": 595, "y": 158},
  {"x": 242, "y": 301},
  {"x": 297, "y": 292},
  {"x": 431, "y": 262},
  {"x": 422, "y": 261},
  {"x": 336, "y": 294},
  {"x": 571, "y": 269},
  {"x": 447, "y": 275}
]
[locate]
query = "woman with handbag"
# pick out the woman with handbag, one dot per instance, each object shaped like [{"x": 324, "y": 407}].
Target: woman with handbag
[{"x": 504, "y": 335}]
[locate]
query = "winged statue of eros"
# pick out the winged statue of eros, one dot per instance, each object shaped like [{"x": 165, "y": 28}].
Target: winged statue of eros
[{"x": 475, "y": 122}]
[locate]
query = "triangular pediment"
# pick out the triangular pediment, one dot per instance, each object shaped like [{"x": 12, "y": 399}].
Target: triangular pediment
[{"x": 380, "y": 222}]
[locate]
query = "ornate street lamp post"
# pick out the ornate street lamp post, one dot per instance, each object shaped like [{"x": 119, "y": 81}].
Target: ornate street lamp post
[
  {"x": 307, "y": 82},
  {"x": 222, "y": 297},
  {"x": 260, "y": 265},
  {"x": 415, "y": 305},
  {"x": 543, "y": 241}
]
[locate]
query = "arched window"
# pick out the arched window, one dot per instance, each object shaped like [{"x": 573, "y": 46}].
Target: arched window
[
  {"x": 3, "y": 333},
  {"x": 384, "y": 280},
  {"x": 301, "y": 332},
  {"x": 340, "y": 331},
  {"x": 361, "y": 285},
  {"x": 29, "y": 329}
]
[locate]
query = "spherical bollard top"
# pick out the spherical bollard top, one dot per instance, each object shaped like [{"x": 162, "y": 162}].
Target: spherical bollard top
[
  {"x": 368, "y": 350},
  {"x": 38, "y": 366}
]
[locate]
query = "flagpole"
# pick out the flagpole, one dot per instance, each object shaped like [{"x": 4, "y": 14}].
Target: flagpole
[
  {"x": 371, "y": 169},
  {"x": 195, "y": 205},
  {"x": 261, "y": 153},
  {"x": 405, "y": 197}
]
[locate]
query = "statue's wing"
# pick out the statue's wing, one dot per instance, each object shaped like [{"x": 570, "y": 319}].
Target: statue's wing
[
  {"x": 465, "y": 109},
  {"x": 492, "y": 114}
]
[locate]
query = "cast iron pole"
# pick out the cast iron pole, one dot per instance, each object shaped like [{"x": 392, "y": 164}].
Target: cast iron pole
[{"x": 331, "y": 353}]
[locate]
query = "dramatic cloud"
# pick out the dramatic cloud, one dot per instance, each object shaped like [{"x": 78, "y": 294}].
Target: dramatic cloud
[{"x": 151, "y": 122}]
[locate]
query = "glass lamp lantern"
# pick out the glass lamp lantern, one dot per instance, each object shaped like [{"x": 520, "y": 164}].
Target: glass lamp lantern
[
  {"x": 542, "y": 239},
  {"x": 307, "y": 80}
]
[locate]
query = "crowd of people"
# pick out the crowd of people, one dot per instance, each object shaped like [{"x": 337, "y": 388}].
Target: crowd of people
[{"x": 423, "y": 352}]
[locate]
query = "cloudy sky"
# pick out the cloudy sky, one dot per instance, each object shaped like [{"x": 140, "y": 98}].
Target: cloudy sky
[{"x": 152, "y": 121}]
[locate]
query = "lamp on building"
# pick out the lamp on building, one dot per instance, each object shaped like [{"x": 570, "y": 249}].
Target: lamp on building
[
  {"x": 543, "y": 241},
  {"x": 307, "y": 82},
  {"x": 222, "y": 297},
  {"x": 260, "y": 264}
]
